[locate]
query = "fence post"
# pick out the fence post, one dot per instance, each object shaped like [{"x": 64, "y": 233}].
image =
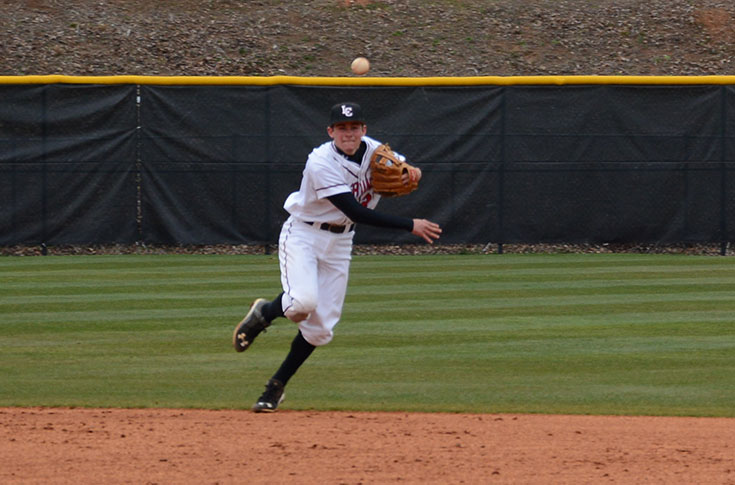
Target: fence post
[
  {"x": 501, "y": 169},
  {"x": 723, "y": 170},
  {"x": 44, "y": 170},
  {"x": 268, "y": 154},
  {"x": 138, "y": 166}
]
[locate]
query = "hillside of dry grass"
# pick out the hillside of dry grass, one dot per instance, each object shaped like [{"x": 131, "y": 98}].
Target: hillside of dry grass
[{"x": 401, "y": 38}]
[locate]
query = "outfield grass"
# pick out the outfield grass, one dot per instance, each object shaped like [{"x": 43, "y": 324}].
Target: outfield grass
[{"x": 597, "y": 334}]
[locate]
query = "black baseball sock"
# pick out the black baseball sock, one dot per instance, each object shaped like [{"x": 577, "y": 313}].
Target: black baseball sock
[
  {"x": 300, "y": 351},
  {"x": 273, "y": 309}
]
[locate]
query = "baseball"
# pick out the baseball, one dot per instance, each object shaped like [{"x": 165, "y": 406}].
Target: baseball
[{"x": 360, "y": 66}]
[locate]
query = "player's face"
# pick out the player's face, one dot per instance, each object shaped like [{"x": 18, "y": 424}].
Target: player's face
[{"x": 347, "y": 135}]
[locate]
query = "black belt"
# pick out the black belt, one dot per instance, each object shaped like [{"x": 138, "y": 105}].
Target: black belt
[{"x": 336, "y": 228}]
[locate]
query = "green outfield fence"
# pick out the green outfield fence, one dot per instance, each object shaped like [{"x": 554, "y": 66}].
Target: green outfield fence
[{"x": 209, "y": 160}]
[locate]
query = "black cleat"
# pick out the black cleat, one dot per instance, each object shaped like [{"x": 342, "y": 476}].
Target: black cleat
[
  {"x": 273, "y": 396},
  {"x": 250, "y": 326}
]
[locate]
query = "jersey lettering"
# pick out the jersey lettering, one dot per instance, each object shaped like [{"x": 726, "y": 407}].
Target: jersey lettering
[{"x": 360, "y": 188}]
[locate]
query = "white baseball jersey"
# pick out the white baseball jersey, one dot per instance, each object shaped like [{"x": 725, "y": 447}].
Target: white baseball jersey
[{"x": 328, "y": 173}]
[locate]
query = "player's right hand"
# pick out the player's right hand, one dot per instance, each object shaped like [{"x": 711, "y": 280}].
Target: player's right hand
[{"x": 427, "y": 230}]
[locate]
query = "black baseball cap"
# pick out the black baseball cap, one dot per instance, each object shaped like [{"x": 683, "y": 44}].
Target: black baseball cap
[{"x": 347, "y": 111}]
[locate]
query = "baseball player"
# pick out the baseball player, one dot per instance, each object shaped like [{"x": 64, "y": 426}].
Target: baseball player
[{"x": 315, "y": 244}]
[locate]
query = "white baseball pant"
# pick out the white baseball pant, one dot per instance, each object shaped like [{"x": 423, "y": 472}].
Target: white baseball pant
[{"x": 315, "y": 268}]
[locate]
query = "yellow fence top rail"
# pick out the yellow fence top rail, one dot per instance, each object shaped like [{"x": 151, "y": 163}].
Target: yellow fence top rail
[{"x": 367, "y": 81}]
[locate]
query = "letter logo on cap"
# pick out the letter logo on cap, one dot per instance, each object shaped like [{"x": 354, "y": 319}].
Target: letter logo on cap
[{"x": 347, "y": 110}]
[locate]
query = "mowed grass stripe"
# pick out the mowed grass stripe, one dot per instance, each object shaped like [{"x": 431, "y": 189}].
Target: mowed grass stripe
[
  {"x": 359, "y": 285},
  {"x": 545, "y": 296},
  {"x": 134, "y": 273},
  {"x": 128, "y": 294},
  {"x": 398, "y": 274},
  {"x": 266, "y": 285},
  {"x": 571, "y": 263},
  {"x": 189, "y": 262},
  {"x": 443, "y": 299},
  {"x": 581, "y": 285},
  {"x": 147, "y": 285},
  {"x": 43, "y": 322},
  {"x": 234, "y": 308}
]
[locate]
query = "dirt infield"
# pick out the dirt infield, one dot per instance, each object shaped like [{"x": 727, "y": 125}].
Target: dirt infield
[{"x": 147, "y": 446}]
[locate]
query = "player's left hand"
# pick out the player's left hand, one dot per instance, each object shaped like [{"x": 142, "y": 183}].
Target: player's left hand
[{"x": 412, "y": 176}]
